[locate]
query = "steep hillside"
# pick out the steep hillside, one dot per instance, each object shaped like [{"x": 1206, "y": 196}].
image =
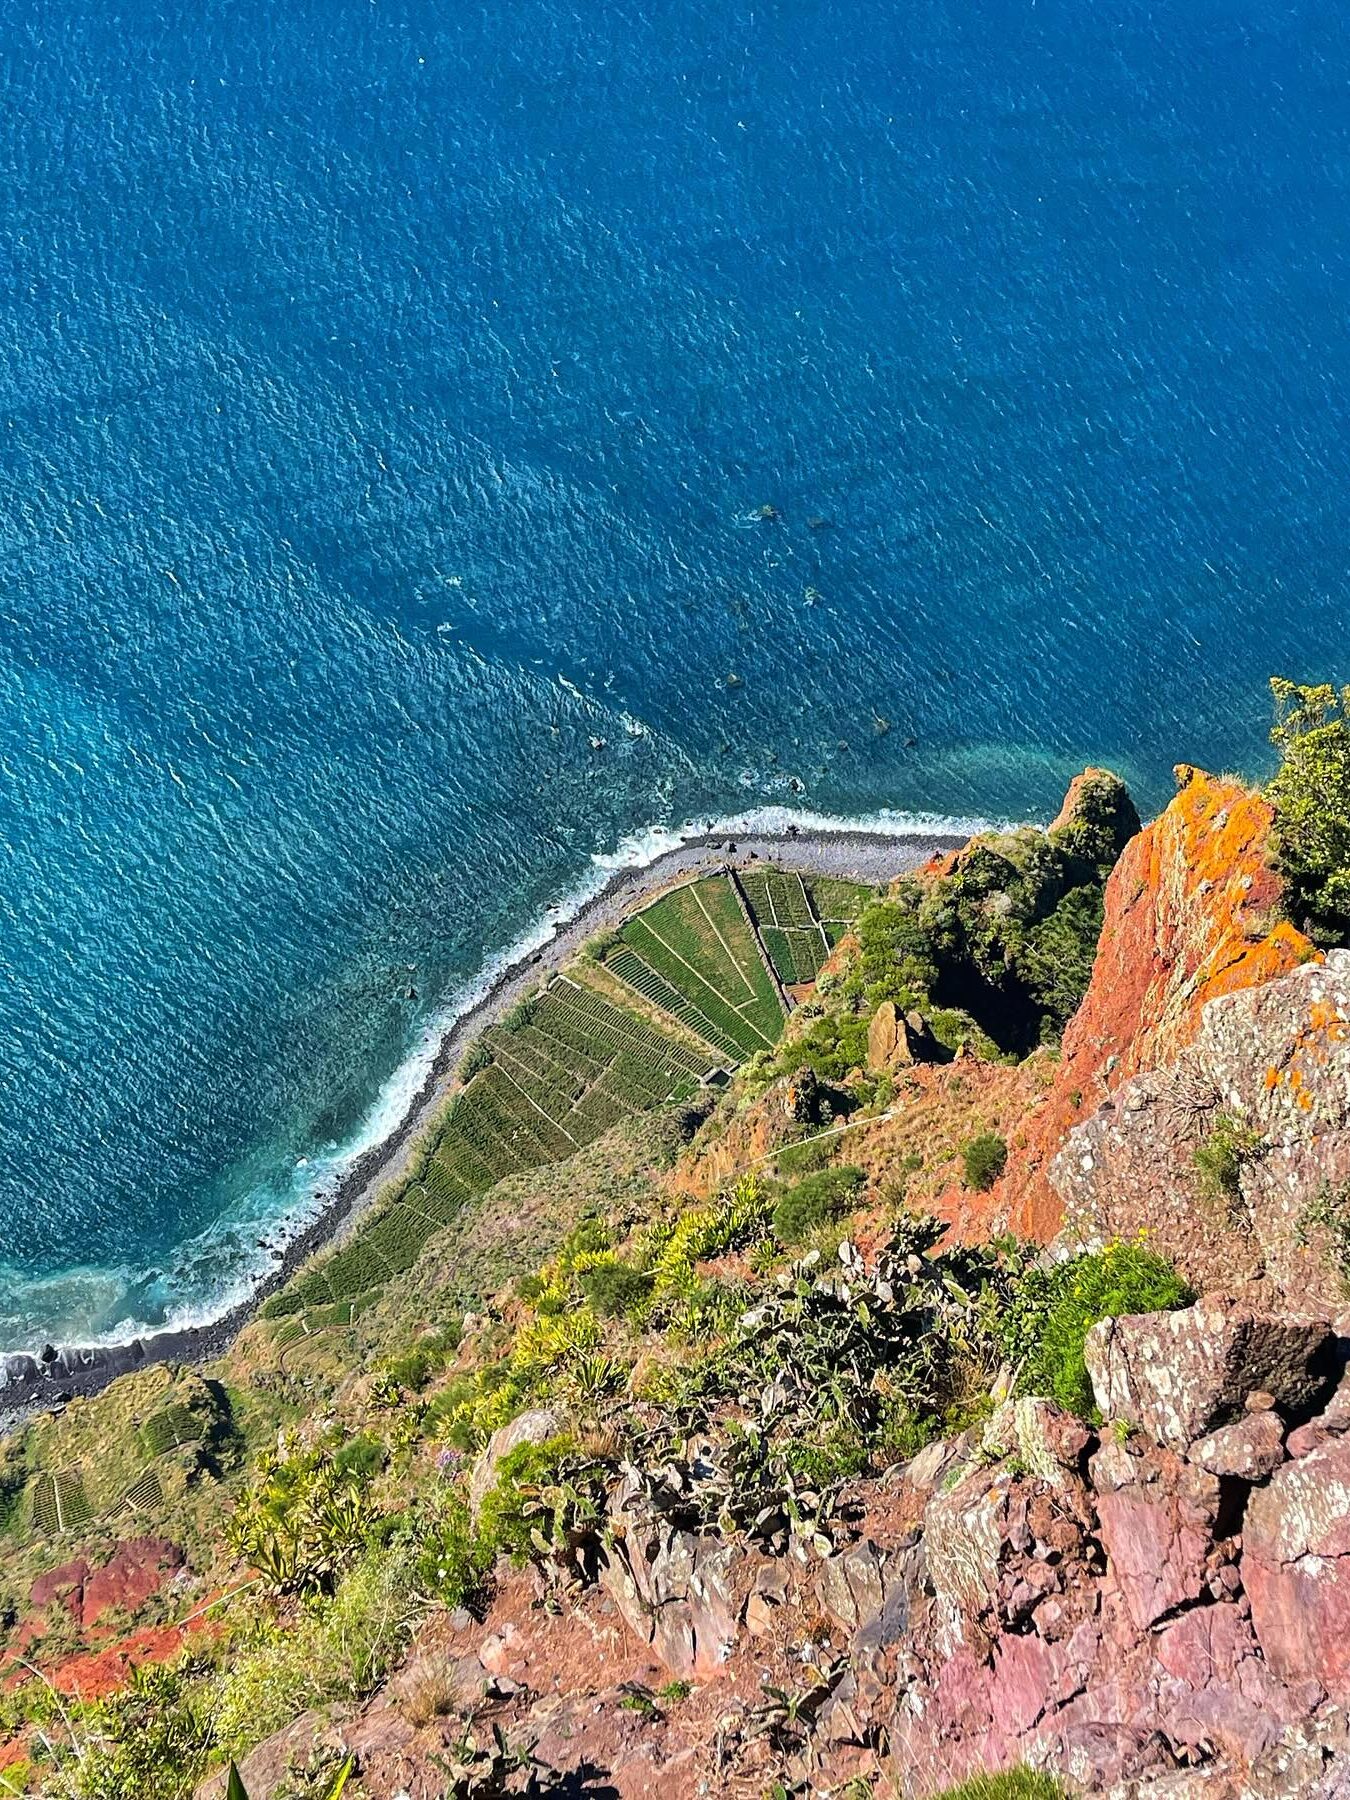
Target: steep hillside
[{"x": 688, "y": 1420}]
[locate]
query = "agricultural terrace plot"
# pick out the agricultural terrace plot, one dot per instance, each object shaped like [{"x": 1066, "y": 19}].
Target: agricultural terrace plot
[
  {"x": 699, "y": 942},
  {"x": 785, "y": 918},
  {"x": 837, "y": 903},
  {"x": 568, "y": 1067},
  {"x": 82, "y": 1474}
]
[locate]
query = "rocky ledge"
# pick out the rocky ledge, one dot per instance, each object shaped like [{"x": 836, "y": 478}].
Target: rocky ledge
[{"x": 1154, "y": 1607}]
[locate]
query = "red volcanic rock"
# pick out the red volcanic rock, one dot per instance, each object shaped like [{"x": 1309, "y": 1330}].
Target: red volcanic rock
[
  {"x": 65, "y": 1584},
  {"x": 1179, "y": 1375},
  {"x": 137, "y": 1569},
  {"x": 1188, "y": 914},
  {"x": 1296, "y": 1568},
  {"x": 1157, "y": 1517}
]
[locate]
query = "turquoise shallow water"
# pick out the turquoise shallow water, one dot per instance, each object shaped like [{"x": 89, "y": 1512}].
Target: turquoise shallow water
[{"x": 390, "y": 393}]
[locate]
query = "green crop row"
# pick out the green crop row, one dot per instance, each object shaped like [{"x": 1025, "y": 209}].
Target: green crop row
[{"x": 643, "y": 979}]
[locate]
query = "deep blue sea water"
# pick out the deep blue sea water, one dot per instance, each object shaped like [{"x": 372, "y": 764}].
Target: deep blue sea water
[{"x": 388, "y": 393}]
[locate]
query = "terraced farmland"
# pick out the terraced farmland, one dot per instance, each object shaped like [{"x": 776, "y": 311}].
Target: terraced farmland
[
  {"x": 781, "y": 908},
  {"x": 799, "y": 920},
  {"x": 569, "y": 1067},
  {"x": 837, "y": 902},
  {"x": 570, "y": 1063},
  {"x": 696, "y": 948}
]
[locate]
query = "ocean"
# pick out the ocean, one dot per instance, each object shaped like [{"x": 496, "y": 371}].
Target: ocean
[{"x": 440, "y": 443}]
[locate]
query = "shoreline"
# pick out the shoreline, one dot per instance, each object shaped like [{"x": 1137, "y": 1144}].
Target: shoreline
[{"x": 34, "y": 1384}]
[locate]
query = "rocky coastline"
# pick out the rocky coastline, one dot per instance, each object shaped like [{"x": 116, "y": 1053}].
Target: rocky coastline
[{"x": 53, "y": 1375}]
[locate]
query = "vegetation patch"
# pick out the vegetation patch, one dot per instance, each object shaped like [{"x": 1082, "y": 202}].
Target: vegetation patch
[
  {"x": 699, "y": 946},
  {"x": 1310, "y": 792},
  {"x": 1219, "y": 1160},
  {"x": 983, "y": 1160},
  {"x": 996, "y": 952},
  {"x": 815, "y": 1201},
  {"x": 1053, "y": 1310}
]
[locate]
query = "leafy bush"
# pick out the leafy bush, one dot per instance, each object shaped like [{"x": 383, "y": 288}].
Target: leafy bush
[
  {"x": 1219, "y": 1159},
  {"x": 615, "y": 1289},
  {"x": 983, "y": 1160},
  {"x": 807, "y": 1158},
  {"x": 414, "y": 1368},
  {"x": 834, "y": 1457},
  {"x": 154, "y": 1738},
  {"x": 1310, "y": 793},
  {"x": 816, "y": 1201},
  {"x": 340, "y": 1649},
  {"x": 996, "y": 951},
  {"x": 833, "y": 1047},
  {"x": 1053, "y": 1310},
  {"x": 361, "y": 1457},
  {"x": 523, "y": 1013},
  {"x": 477, "y": 1057},
  {"x": 546, "y": 1502},
  {"x": 454, "y": 1561}
]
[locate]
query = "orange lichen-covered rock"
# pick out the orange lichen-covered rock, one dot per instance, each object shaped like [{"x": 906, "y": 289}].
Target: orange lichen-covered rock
[{"x": 1189, "y": 915}]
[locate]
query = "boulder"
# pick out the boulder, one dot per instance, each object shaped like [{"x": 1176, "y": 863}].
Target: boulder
[
  {"x": 1296, "y": 1568},
  {"x": 270, "y": 1765},
  {"x": 1191, "y": 912},
  {"x": 1180, "y": 1375},
  {"x": 1249, "y": 1448},
  {"x": 885, "y": 1036},
  {"x": 1050, "y": 1441},
  {"x": 675, "y": 1589},
  {"x": 534, "y": 1427},
  {"x": 965, "y": 1538}
]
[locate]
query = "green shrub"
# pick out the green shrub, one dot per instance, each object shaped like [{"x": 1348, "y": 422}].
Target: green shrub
[
  {"x": 340, "y": 1649},
  {"x": 547, "y": 1498},
  {"x": 455, "y": 1561},
  {"x": 414, "y": 1368},
  {"x": 1220, "y": 1158},
  {"x": 360, "y": 1457},
  {"x": 154, "y": 1738},
  {"x": 815, "y": 1201},
  {"x": 835, "y": 1457},
  {"x": 1053, "y": 1310},
  {"x": 615, "y": 1289},
  {"x": 807, "y": 1158},
  {"x": 523, "y": 1013},
  {"x": 983, "y": 1160},
  {"x": 1310, "y": 793},
  {"x": 302, "y": 1522}
]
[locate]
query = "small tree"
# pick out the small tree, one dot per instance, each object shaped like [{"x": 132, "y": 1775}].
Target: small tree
[{"x": 1310, "y": 793}]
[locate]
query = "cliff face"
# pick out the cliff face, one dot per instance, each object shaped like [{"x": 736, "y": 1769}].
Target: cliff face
[
  {"x": 1269, "y": 1068},
  {"x": 799, "y": 1533},
  {"x": 1189, "y": 916}
]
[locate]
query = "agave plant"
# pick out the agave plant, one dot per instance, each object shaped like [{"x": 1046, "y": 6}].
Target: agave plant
[{"x": 235, "y": 1789}]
